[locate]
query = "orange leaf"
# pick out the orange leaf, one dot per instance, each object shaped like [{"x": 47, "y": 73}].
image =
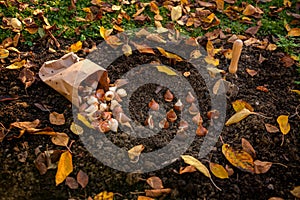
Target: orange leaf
[
  {"x": 283, "y": 121},
  {"x": 144, "y": 198},
  {"x": 64, "y": 167},
  {"x": 76, "y": 47},
  {"x": 261, "y": 167},
  {"x": 155, "y": 182},
  {"x": 248, "y": 147},
  {"x": 169, "y": 55},
  {"x": 104, "y": 196},
  {"x": 239, "y": 105},
  {"x": 218, "y": 170},
  {"x": 187, "y": 169},
  {"x": 157, "y": 192},
  {"x": 239, "y": 159},
  {"x": 251, "y": 72},
  {"x": 220, "y": 4},
  {"x": 210, "y": 48},
  {"x": 56, "y": 118},
  {"x": 295, "y": 32},
  {"x": 154, "y": 7},
  {"x": 262, "y": 88},
  {"x": 143, "y": 48},
  {"x": 3, "y": 53}
]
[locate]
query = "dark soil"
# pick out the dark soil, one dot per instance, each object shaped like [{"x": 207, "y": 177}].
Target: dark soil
[{"x": 21, "y": 180}]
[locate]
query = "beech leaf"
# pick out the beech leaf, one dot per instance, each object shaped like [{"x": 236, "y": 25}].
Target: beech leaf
[
  {"x": 157, "y": 192},
  {"x": 64, "y": 167},
  {"x": 17, "y": 65},
  {"x": 3, "y": 53},
  {"x": 169, "y": 55},
  {"x": 218, "y": 170}
]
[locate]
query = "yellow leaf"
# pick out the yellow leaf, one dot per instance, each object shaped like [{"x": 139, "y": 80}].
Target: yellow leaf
[
  {"x": 199, "y": 166},
  {"x": 211, "y": 60},
  {"x": 76, "y": 47},
  {"x": 60, "y": 139},
  {"x": 165, "y": 69},
  {"x": 17, "y": 65},
  {"x": 176, "y": 13},
  {"x": 64, "y": 167},
  {"x": 105, "y": 33},
  {"x": 296, "y": 91},
  {"x": 210, "y": 48},
  {"x": 239, "y": 105},
  {"x": 135, "y": 152},
  {"x": 169, "y": 55},
  {"x": 104, "y": 196},
  {"x": 3, "y": 53},
  {"x": 295, "y": 32},
  {"x": 296, "y": 191},
  {"x": 87, "y": 10},
  {"x": 283, "y": 121},
  {"x": 218, "y": 170},
  {"x": 242, "y": 114},
  {"x": 84, "y": 121},
  {"x": 76, "y": 129},
  {"x": 239, "y": 159},
  {"x": 287, "y": 3}
]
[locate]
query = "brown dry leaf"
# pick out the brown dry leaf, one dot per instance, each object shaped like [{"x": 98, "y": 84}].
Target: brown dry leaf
[
  {"x": 118, "y": 28},
  {"x": 113, "y": 41},
  {"x": 76, "y": 47},
  {"x": 287, "y": 61},
  {"x": 104, "y": 196},
  {"x": 154, "y": 8},
  {"x": 156, "y": 38},
  {"x": 64, "y": 167},
  {"x": 295, "y": 32},
  {"x": 61, "y": 139},
  {"x": 82, "y": 178},
  {"x": 3, "y": 53},
  {"x": 134, "y": 153},
  {"x": 17, "y": 65},
  {"x": 127, "y": 50},
  {"x": 229, "y": 170},
  {"x": 275, "y": 198},
  {"x": 218, "y": 170},
  {"x": 169, "y": 55},
  {"x": 56, "y": 118},
  {"x": 27, "y": 77},
  {"x": 144, "y": 198},
  {"x": 157, "y": 192},
  {"x": 199, "y": 166},
  {"x": 227, "y": 53},
  {"x": 210, "y": 48},
  {"x": 213, "y": 71},
  {"x": 284, "y": 125},
  {"x": 262, "y": 88},
  {"x": 252, "y": 30},
  {"x": 261, "y": 167},
  {"x": 76, "y": 129},
  {"x": 71, "y": 183},
  {"x": 239, "y": 105},
  {"x": 271, "y": 129},
  {"x": 237, "y": 117},
  {"x": 248, "y": 147},
  {"x": 220, "y": 5},
  {"x": 143, "y": 48},
  {"x": 271, "y": 47},
  {"x": 155, "y": 182},
  {"x": 187, "y": 169},
  {"x": 296, "y": 191},
  {"x": 195, "y": 54},
  {"x": 81, "y": 118},
  {"x": 261, "y": 59},
  {"x": 239, "y": 159},
  {"x": 25, "y": 126},
  {"x": 176, "y": 13},
  {"x": 251, "y": 72},
  {"x": 166, "y": 70}
]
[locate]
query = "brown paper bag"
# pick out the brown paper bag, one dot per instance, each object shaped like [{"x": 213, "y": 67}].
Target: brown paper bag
[{"x": 67, "y": 73}]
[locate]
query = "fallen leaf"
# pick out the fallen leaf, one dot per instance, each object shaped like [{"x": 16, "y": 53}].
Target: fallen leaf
[
  {"x": 105, "y": 33},
  {"x": 169, "y": 55},
  {"x": 57, "y": 119},
  {"x": 296, "y": 91},
  {"x": 261, "y": 59},
  {"x": 176, "y": 13},
  {"x": 104, "y": 196},
  {"x": 156, "y": 38},
  {"x": 187, "y": 169},
  {"x": 296, "y": 191},
  {"x": 166, "y": 70},
  {"x": 155, "y": 182},
  {"x": 220, "y": 5},
  {"x": 275, "y": 198},
  {"x": 199, "y": 166},
  {"x": 213, "y": 71},
  {"x": 157, "y": 192},
  {"x": 84, "y": 120},
  {"x": 82, "y": 178},
  {"x": 271, "y": 47},
  {"x": 27, "y": 77},
  {"x": 237, "y": 117},
  {"x": 76, "y": 129},
  {"x": 134, "y": 153},
  {"x": 229, "y": 170},
  {"x": 25, "y": 126},
  {"x": 271, "y": 129},
  {"x": 239, "y": 105},
  {"x": 261, "y": 167},
  {"x": 294, "y": 32},
  {"x": 76, "y": 47},
  {"x": 60, "y": 139},
  {"x": 143, "y": 48},
  {"x": 64, "y": 167},
  {"x": 127, "y": 50},
  {"x": 17, "y": 65},
  {"x": 248, "y": 147},
  {"x": 239, "y": 159},
  {"x": 71, "y": 183},
  {"x": 211, "y": 60},
  {"x": 3, "y": 53},
  {"x": 144, "y": 198},
  {"x": 251, "y": 72},
  {"x": 283, "y": 121},
  {"x": 262, "y": 88},
  {"x": 287, "y": 61},
  {"x": 218, "y": 170}
]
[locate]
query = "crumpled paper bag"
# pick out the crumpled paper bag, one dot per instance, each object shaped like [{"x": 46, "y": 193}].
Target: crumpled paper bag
[{"x": 67, "y": 73}]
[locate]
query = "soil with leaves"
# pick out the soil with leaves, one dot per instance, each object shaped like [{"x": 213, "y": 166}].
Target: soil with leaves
[{"x": 255, "y": 157}]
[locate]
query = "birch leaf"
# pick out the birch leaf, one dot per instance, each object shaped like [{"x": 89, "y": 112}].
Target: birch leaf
[
  {"x": 60, "y": 139},
  {"x": 237, "y": 117},
  {"x": 218, "y": 170}
]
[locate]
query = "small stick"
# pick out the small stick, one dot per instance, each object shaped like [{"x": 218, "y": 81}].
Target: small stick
[{"x": 236, "y": 53}]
